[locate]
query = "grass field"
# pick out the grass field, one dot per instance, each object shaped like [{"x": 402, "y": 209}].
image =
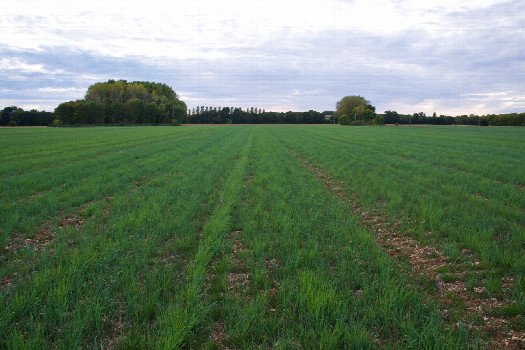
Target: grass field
[{"x": 289, "y": 237}]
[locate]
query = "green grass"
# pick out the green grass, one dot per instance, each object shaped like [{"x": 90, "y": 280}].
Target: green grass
[
  {"x": 461, "y": 184},
  {"x": 212, "y": 236}
]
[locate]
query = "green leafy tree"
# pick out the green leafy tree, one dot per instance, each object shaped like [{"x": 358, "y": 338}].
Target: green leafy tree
[
  {"x": 163, "y": 114},
  {"x": 392, "y": 117},
  {"x": 379, "y": 120},
  {"x": 483, "y": 121},
  {"x": 348, "y": 105},
  {"x": 358, "y": 112},
  {"x": 179, "y": 113},
  {"x": 134, "y": 108},
  {"x": 96, "y": 93},
  {"x": 64, "y": 112},
  {"x": 343, "y": 120},
  {"x": 151, "y": 113},
  {"x": 368, "y": 115},
  {"x": 114, "y": 112},
  {"x": 418, "y": 118},
  {"x": 93, "y": 113},
  {"x": 7, "y": 115}
]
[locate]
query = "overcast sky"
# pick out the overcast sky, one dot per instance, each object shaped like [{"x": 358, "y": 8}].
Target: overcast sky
[{"x": 445, "y": 56}]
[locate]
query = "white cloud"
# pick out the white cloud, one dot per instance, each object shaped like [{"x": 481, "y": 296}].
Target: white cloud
[
  {"x": 477, "y": 103},
  {"x": 406, "y": 54},
  {"x": 184, "y": 29},
  {"x": 18, "y": 65}
]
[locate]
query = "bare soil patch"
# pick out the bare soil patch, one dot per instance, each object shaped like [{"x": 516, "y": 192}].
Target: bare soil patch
[
  {"x": 237, "y": 282},
  {"x": 38, "y": 242}
]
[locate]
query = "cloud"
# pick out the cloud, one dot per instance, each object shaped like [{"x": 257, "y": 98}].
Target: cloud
[{"x": 401, "y": 55}]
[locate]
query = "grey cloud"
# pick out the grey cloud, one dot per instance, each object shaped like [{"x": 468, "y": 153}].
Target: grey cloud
[{"x": 480, "y": 51}]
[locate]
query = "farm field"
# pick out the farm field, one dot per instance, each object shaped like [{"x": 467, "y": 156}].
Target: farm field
[{"x": 266, "y": 236}]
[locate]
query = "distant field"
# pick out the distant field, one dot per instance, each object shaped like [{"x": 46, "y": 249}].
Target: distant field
[{"x": 291, "y": 237}]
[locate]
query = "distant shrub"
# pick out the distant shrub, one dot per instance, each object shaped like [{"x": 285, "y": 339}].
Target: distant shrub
[
  {"x": 12, "y": 123},
  {"x": 359, "y": 122},
  {"x": 175, "y": 122},
  {"x": 379, "y": 120},
  {"x": 343, "y": 120},
  {"x": 56, "y": 123}
]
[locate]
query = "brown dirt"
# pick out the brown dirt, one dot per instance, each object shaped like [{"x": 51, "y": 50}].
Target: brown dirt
[
  {"x": 115, "y": 332},
  {"x": 22, "y": 127},
  {"x": 38, "y": 242},
  {"x": 15, "y": 242},
  {"x": 427, "y": 260},
  {"x": 36, "y": 195},
  {"x": 42, "y": 239},
  {"x": 478, "y": 195},
  {"x": 6, "y": 282},
  {"x": 236, "y": 283},
  {"x": 72, "y": 221}
]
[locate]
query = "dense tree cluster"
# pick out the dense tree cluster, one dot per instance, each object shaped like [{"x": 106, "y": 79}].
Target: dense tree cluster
[
  {"x": 120, "y": 102},
  {"x": 231, "y": 115},
  {"x": 356, "y": 110},
  {"x": 18, "y": 117},
  {"x": 513, "y": 119}
]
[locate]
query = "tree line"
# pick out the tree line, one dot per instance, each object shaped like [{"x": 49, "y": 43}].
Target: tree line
[
  {"x": 236, "y": 115},
  {"x": 509, "y": 119},
  {"x": 15, "y": 116},
  {"x": 141, "y": 102}
]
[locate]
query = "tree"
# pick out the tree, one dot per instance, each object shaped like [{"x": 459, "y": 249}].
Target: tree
[
  {"x": 392, "y": 117},
  {"x": 343, "y": 120},
  {"x": 163, "y": 114},
  {"x": 115, "y": 96},
  {"x": 483, "y": 121},
  {"x": 96, "y": 93},
  {"x": 7, "y": 115},
  {"x": 418, "y": 118},
  {"x": 134, "y": 109},
  {"x": 114, "y": 112},
  {"x": 93, "y": 113},
  {"x": 78, "y": 106},
  {"x": 348, "y": 103},
  {"x": 368, "y": 115},
  {"x": 151, "y": 113},
  {"x": 64, "y": 112},
  {"x": 379, "y": 120}
]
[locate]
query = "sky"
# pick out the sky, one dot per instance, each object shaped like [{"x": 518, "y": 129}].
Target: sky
[{"x": 451, "y": 57}]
